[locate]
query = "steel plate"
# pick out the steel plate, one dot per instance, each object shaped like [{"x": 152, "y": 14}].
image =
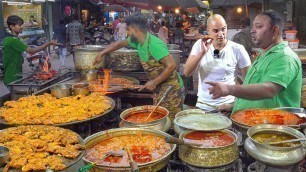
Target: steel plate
[
  {"x": 3, "y": 122},
  {"x": 203, "y": 121},
  {"x": 68, "y": 162}
]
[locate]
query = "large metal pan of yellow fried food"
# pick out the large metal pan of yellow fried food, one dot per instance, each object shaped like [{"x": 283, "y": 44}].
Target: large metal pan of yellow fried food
[
  {"x": 47, "y": 110},
  {"x": 40, "y": 147}
]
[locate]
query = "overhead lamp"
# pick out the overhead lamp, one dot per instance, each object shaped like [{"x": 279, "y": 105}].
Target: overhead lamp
[
  {"x": 159, "y": 7},
  {"x": 177, "y": 11},
  {"x": 17, "y": 2},
  {"x": 239, "y": 10}
]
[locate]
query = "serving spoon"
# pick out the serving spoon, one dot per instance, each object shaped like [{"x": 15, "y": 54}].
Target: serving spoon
[
  {"x": 174, "y": 140},
  {"x": 156, "y": 106},
  {"x": 287, "y": 141},
  {"x": 110, "y": 153}
]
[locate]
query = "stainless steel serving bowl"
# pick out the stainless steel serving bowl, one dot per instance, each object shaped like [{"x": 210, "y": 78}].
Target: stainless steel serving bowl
[
  {"x": 61, "y": 90},
  {"x": 162, "y": 124},
  {"x": 209, "y": 157},
  {"x": 155, "y": 165},
  {"x": 85, "y": 55},
  {"x": 90, "y": 75},
  {"x": 80, "y": 88},
  {"x": 4, "y": 155},
  {"x": 273, "y": 155}
]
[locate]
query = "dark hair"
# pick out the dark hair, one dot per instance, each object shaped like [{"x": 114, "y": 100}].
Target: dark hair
[
  {"x": 184, "y": 13},
  {"x": 163, "y": 23},
  {"x": 62, "y": 21},
  {"x": 156, "y": 16},
  {"x": 116, "y": 17},
  {"x": 137, "y": 20},
  {"x": 246, "y": 21},
  {"x": 178, "y": 25},
  {"x": 75, "y": 17},
  {"x": 276, "y": 18},
  {"x": 14, "y": 20}
]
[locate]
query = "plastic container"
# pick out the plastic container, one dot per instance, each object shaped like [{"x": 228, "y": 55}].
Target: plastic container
[
  {"x": 290, "y": 34},
  {"x": 294, "y": 44}
]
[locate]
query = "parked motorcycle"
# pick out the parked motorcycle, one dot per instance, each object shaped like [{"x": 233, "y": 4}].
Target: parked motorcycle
[{"x": 98, "y": 35}]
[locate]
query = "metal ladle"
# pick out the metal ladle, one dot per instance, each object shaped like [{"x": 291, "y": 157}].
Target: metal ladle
[
  {"x": 164, "y": 96},
  {"x": 287, "y": 141}
]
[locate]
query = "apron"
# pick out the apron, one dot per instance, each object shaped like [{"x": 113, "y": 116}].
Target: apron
[{"x": 173, "y": 102}]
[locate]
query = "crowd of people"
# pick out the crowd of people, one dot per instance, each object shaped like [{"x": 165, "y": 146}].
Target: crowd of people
[{"x": 274, "y": 79}]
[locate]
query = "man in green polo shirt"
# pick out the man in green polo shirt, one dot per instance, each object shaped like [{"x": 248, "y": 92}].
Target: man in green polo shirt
[
  {"x": 156, "y": 61},
  {"x": 274, "y": 79},
  {"x": 13, "y": 47}
]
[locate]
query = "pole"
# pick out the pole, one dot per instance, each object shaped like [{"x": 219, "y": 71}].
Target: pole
[
  {"x": 2, "y": 28},
  {"x": 246, "y": 8}
]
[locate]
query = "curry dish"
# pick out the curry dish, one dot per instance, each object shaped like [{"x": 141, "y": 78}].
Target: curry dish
[
  {"x": 210, "y": 138},
  {"x": 266, "y": 138},
  {"x": 144, "y": 148},
  {"x": 140, "y": 117},
  {"x": 46, "y": 109},
  {"x": 33, "y": 148},
  {"x": 251, "y": 117}
]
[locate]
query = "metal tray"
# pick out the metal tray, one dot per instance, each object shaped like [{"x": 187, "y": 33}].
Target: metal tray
[
  {"x": 3, "y": 122},
  {"x": 202, "y": 121},
  {"x": 68, "y": 162}
]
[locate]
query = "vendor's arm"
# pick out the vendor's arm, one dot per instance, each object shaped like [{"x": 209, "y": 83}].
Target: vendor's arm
[
  {"x": 198, "y": 51},
  {"x": 112, "y": 47},
  {"x": 250, "y": 92},
  {"x": 187, "y": 26},
  {"x": 169, "y": 67},
  {"x": 37, "y": 49}
]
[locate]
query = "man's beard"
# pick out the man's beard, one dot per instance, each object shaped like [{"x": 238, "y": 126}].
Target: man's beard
[{"x": 133, "y": 38}]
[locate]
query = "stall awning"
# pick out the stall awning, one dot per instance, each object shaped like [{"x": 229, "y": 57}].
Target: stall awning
[
  {"x": 152, "y": 4},
  {"x": 231, "y": 3},
  {"x": 117, "y": 8}
]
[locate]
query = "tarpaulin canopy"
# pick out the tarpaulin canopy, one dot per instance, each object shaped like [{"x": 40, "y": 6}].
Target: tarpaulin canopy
[
  {"x": 114, "y": 7},
  {"x": 152, "y": 4},
  {"x": 228, "y": 3}
]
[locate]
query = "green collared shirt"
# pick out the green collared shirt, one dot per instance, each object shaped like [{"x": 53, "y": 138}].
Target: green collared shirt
[
  {"x": 12, "y": 58},
  {"x": 279, "y": 65},
  {"x": 153, "y": 45}
]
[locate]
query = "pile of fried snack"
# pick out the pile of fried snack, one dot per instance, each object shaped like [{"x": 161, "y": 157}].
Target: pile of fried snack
[
  {"x": 36, "y": 148},
  {"x": 46, "y": 109}
]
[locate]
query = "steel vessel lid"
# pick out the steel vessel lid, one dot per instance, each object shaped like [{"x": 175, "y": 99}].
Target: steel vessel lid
[{"x": 203, "y": 121}]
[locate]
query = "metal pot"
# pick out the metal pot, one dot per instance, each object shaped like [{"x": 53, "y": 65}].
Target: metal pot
[
  {"x": 85, "y": 55},
  {"x": 146, "y": 167},
  {"x": 272, "y": 155},
  {"x": 61, "y": 90},
  {"x": 124, "y": 60},
  {"x": 90, "y": 75},
  {"x": 180, "y": 128},
  {"x": 80, "y": 88},
  {"x": 209, "y": 157},
  {"x": 162, "y": 124},
  {"x": 4, "y": 155},
  {"x": 173, "y": 47},
  {"x": 176, "y": 56}
]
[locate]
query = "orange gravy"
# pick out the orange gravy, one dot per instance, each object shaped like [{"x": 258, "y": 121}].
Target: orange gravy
[
  {"x": 210, "y": 139},
  {"x": 140, "y": 117}
]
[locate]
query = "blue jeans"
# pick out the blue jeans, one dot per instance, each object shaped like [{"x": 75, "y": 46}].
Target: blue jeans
[{"x": 63, "y": 54}]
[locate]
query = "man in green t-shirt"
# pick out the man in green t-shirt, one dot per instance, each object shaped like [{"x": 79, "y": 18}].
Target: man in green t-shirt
[
  {"x": 13, "y": 47},
  {"x": 156, "y": 61},
  {"x": 274, "y": 79}
]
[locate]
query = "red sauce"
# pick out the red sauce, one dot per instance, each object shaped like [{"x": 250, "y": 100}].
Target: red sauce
[
  {"x": 210, "y": 139},
  {"x": 140, "y": 117},
  {"x": 251, "y": 117},
  {"x": 141, "y": 154}
]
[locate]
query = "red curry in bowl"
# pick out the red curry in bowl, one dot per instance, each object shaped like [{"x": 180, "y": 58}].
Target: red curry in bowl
[
  {"x": 140, "y": 117},
  {"x": 251, "y": 117},
  {"x": 210, "y": 138}
]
